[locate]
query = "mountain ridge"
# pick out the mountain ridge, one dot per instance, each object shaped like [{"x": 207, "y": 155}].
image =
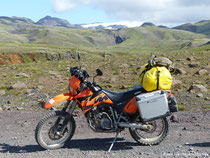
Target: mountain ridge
[
  {"x": 53, "y": 21},
  {"x": 201, "y": 27},
  {"x": 148, "y": 37}
]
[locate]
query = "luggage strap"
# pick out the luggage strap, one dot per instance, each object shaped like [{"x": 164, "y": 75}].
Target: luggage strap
[{"x": 158, "y": 76}]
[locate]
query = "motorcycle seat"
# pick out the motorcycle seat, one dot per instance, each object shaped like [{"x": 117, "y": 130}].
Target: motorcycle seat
[{"x": 117, "y": 97}]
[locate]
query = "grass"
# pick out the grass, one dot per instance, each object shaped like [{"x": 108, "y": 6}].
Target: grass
[
  {"x": 150, "y": 39},
  {"x": 120, "y": 64},
  {"x": 181, "y": 107},
  {"x": 207, "y": 106},
  {"x": 141, "y": 39}
]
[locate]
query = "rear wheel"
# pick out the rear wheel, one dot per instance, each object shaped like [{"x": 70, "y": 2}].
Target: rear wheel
[
  {"x": 151, "y": 136},
  {"x": 52, "y": 133}
]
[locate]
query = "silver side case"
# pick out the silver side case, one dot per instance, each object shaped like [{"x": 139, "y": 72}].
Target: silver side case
[{"x": 152, "y": 105}]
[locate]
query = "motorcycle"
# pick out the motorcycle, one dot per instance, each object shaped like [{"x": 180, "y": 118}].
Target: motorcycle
[{"x": 105, "y": 111}]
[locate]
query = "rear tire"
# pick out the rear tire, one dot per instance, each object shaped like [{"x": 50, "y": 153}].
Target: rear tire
[
  {"x": 47, "y": 131},
  {"x": 153, "y": 136}
]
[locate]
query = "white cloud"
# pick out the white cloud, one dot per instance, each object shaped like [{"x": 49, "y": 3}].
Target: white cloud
[
  {"x": 64, "y": 5},
  {"x": 156, "y": 11},
  {"x": 126, "y": 23}
]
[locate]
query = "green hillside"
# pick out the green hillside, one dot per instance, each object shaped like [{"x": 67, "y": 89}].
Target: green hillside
[
  {"x": 140, "y": 39},
  {"x": 202, "y": 27},
  {"x": 152, "y": 38}
]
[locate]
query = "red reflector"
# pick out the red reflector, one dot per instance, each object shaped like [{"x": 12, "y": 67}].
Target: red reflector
[{"x": 171, "y": 95}]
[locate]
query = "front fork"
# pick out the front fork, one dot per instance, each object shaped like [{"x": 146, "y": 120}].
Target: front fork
[
  {"x": 72, "y": 106},
  {"x": 68, "y": 116}
]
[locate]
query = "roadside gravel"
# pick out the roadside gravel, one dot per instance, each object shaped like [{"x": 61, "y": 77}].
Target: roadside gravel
[{"x": 189, "y": 136}]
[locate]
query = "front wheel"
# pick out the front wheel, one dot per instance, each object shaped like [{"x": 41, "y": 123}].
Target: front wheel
[
  {"x": 54, "y": 130},
  {"x": 152, "y": 136}
]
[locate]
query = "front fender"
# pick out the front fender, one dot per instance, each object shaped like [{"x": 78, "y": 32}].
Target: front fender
[{"x": 58, "y": 98}]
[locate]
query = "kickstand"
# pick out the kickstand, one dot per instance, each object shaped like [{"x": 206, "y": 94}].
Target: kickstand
[{"x": 110, "y": 148}]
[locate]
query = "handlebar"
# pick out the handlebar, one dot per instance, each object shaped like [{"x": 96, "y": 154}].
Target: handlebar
[
  {"x": 93, "y": 87},
  {"x": 82, "y": 75}
]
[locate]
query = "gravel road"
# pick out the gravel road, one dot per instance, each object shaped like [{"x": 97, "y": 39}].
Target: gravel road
[{"x": 189, "y": 137}]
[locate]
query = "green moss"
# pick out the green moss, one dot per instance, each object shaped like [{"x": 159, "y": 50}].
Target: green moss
[
  {"x": 207, "y": 106},
  {"x": 13, "y": 92},
  {"x": 116, "y": 73},
  {"x": 181, "y": 107},
  {"x": 22, "y": 99},
  {"x": 26, "y": 59},
  {"x": 193, "y": 107}
]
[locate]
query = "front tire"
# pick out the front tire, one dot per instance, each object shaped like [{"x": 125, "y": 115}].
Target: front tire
[
  {"x": 49, "y": 133},
  {"x": 153, "y": 136}
]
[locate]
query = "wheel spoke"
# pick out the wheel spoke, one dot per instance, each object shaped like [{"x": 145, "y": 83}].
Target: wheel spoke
[
  {"x": 151, "y": 136},
  {"x": 50, "y": 133}
]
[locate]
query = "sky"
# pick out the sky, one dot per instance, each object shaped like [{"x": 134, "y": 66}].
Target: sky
[{"x": 130, "y": 12}]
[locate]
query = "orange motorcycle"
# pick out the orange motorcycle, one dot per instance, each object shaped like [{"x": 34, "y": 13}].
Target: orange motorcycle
[{"x": 144, "y": 113}]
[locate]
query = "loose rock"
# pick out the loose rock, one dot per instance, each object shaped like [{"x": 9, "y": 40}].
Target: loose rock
[
  {"x": 200, "y": 95},
  {"x": 198, "y": 88},
  {"x": 106, "y": 54},
  {"x": 193, "y": 65},
  {"x": 18, "y": 85},
  {"x": 4, "y": 107},
  {"x": 23, "y": 74},
  {"x": 176, "y": 84},
  {"x": 190, "y": 58},
  {"x": 19, "y": 108},
  {"x": 180, "y": 71},
  {"x": 2, "y": 92},
  {"x": 174, "y": 118},
  {"x": 207, "y": 67},
  {"x": 163, "y": 59},
  {"x": 207, "y": 98},
  {"x": 202, "y": 72},
  {"x": 184, "y": 128},
  {"x": 40, "y": 87}
]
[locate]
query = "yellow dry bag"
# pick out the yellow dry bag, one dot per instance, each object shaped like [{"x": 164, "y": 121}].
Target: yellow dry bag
[{"x": 154, "y": 78}]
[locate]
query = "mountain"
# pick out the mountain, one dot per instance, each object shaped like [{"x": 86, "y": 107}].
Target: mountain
[
  {"x": 147, "y": 24},
  {"x": 154, "y": 38},
  {"x": 104, "y": 26},
  {"x": 117, "y": 26},
  {"x": 140, "y": 39},
  {"x": 162, "y": 26},
  {"x": 202, "y": 27},
  {"x": 8, "y": 20},
  {"x": 53, "y": 21}
]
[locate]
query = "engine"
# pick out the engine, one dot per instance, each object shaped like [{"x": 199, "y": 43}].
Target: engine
[{"x": 99, "y": 119}]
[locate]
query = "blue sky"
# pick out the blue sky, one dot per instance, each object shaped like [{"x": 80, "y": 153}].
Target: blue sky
[
  {"x": 165, "y": 12},
  {"x": 37, "y": 9}
]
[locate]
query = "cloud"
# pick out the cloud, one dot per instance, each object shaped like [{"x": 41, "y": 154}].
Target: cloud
[
  {"x": 65, "y": 5},
  {"x": 131, "y": 9},
  {"x": 156, "y": 11},
  {"x": 188, "y": 3},
  {"x": 126, "y": 23}
]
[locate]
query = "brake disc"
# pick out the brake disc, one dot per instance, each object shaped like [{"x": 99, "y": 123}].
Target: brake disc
[{"x": 54, "y": 132}]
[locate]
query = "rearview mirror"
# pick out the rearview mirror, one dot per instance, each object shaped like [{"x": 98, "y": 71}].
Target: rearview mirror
[{"x": 99, "y": 72}]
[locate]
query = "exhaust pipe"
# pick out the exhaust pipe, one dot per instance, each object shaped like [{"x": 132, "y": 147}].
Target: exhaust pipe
[{"x": 135, "y": 125}]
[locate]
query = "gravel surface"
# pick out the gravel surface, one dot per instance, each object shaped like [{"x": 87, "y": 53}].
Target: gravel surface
[{"x": 189, "y": 136}]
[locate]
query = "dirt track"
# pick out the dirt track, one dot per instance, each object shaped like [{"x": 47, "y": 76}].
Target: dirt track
[{"x": 190, "y": 137}]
